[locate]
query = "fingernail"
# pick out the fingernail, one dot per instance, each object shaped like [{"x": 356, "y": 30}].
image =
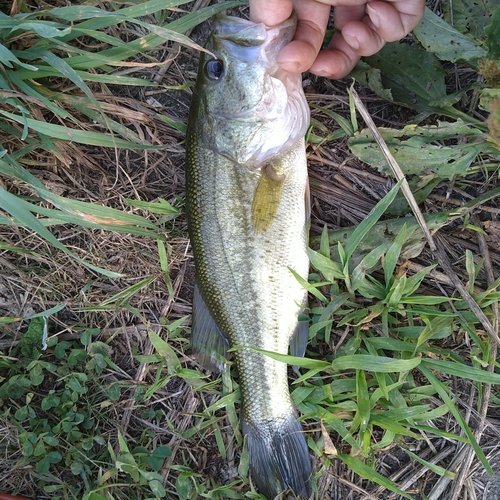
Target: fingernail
[
  {"x": 292, "y": 66},
  {"x": 373, "y": 16},
  {"x": 352, "y": 41},
  {"x": 321, "y": 72}
]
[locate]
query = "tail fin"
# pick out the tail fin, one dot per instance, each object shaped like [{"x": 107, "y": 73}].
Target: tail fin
[{"x": 279, "y": 457}]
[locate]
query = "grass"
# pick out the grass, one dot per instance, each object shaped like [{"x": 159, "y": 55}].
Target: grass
[{"x": 98, "y": 395}]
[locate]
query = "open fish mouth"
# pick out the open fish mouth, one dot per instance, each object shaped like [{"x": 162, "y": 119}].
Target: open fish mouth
[{"x": 269, "y": 96}]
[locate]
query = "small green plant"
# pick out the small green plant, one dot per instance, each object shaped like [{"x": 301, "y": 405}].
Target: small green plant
[{"x": 60, "y": 408}]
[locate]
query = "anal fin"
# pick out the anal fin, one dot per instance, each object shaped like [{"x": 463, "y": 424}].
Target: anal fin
[{"x": 208, "y": 344}]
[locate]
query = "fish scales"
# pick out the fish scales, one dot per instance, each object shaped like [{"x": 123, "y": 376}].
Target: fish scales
[{"x": 247, "y": 214}]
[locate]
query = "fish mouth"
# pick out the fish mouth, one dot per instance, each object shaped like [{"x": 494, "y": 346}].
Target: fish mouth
[
  {"x": 243, "y": 34},
  {"x": 279, "y": 115},
  {"x": 247, "y": 33},
  {"x": 266, "y": 41}
]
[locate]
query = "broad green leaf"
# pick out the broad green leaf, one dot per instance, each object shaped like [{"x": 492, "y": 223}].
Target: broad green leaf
[
  {"x": 414, "y": 77},
  {"x": 92, "y": 495},
  {"x": 416, "y": 152},
  {"x": 470, "y": 16},
  {"x": 372, "y": 78},
  {"x": 493, "y": 35},
  {"x": 183, "y": 486},
  {"x": 438, "y": 37}
]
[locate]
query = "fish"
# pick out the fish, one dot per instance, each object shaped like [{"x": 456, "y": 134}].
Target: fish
[{"x": 247, "y": 205}]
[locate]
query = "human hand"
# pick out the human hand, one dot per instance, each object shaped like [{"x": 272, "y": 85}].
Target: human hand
[{"x": 363, "y": 27}]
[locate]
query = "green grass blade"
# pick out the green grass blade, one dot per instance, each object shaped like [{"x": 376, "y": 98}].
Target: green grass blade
[
  {"x": 78, "y": 136},
  {"x": 16, "y": 207},
  {"x": 363, "y": 401},
  {"x": 373, "y": 363},
  {"x": 145, "y": 43},
  {"x": 7, "y": 58},
  {"x": 291, "y": 360},
  {"x": 443, "y": 393},
  {"x": 392, "y": 256},
  {"x": 125, "y": 295},
  {"x": 362, "y": 229},
  {"x": 463, "y": 371},
  {"x": 440, "y": 471},
  {"x": 310, "y": 287},
  {"x": 367, "y": 472}
]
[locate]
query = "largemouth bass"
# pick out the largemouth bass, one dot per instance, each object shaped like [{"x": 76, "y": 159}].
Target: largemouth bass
[{"x": 247, "y": 204}]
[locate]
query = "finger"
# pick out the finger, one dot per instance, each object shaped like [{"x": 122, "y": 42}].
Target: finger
[
  {"x": 299, "y": 54},
  {"x": 364, "y": 40},
  {"x": 270, "y": 12},
  {"x": 390, "y": 23},
  {"x": 337, "y": 60},
  {"x": 346, "y": 13}
]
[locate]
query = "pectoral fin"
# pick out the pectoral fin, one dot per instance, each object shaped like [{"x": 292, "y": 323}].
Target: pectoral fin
[
  {"x": 267, "y": 198},
  {"x": 298, "y": 342},
  {"x": 307, "y": 200},
  {"x": 208, "y": 343}
]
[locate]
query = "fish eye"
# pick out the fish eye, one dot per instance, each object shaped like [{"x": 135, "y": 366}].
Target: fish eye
[{"x": 214, "y": 69}]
